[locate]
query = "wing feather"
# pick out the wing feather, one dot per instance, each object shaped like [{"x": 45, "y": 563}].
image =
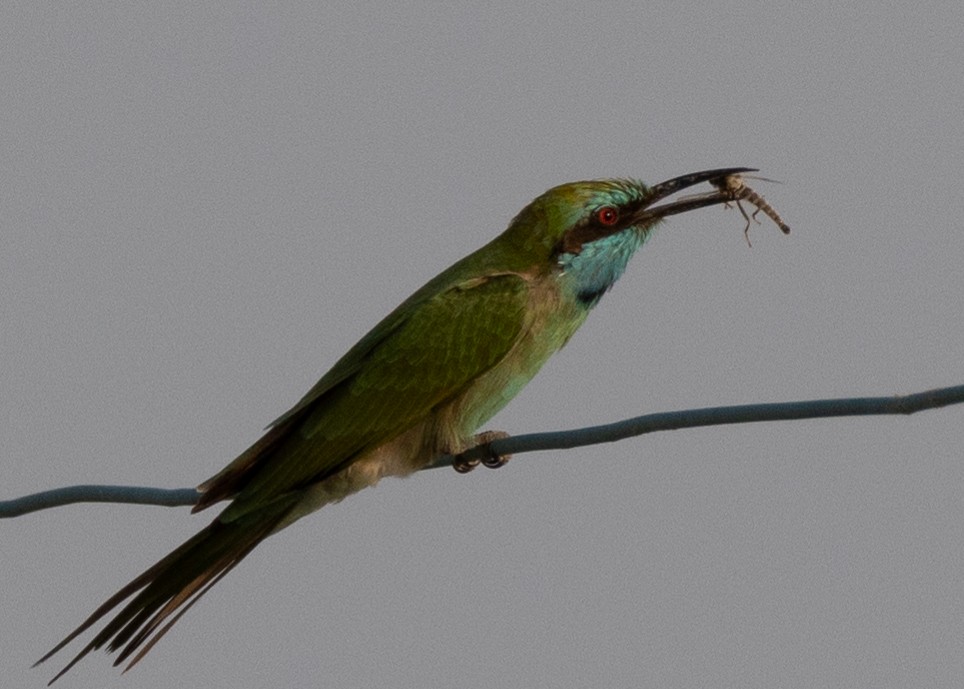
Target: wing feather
[{"x": 417, "y": 364}]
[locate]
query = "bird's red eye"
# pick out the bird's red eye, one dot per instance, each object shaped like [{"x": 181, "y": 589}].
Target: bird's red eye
[{"x": 607, "y": 215}]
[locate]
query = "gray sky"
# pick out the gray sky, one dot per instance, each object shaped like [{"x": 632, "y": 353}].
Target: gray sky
[{"x": 203, "y": 208}]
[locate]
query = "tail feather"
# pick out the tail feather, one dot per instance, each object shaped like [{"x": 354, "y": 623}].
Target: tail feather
[
  {"x": 171, "y": 586},
  {"x": 157, "y": 637}
]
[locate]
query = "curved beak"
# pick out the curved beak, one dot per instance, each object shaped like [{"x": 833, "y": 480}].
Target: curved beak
[{"x": 650, "y": 213}]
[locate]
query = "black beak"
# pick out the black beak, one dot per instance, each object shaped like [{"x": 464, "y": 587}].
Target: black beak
[{"x": 660, "y": 191}]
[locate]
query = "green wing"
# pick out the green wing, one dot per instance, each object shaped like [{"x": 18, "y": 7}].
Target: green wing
[{"x": 413, "y": 362}]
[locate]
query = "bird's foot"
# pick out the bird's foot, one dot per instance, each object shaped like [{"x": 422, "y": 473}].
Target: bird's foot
[
  {"x": 490, "y": 459},
  {"x": 464, "y": 466}
]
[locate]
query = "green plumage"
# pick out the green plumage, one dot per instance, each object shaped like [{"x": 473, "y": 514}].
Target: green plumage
[
  {"x": 421, "y": 362},
  {"x": 420, "y": 383}
]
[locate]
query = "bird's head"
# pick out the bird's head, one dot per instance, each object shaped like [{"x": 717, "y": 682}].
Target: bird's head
[
  {"x": 567, "y": 217},
  {"x": 587, "y": 231}
]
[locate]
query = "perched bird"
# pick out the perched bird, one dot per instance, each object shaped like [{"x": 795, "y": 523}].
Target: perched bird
[{"x": 418, "y": 385}]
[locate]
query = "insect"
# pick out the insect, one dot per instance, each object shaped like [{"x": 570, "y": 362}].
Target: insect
[{"x": 738, "y": 190}]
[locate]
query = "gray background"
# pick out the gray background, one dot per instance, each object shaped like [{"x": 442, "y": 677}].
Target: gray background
[{"x": 202, "y": 207}]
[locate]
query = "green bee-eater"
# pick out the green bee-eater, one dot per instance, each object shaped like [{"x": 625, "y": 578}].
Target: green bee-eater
[{"x": 418, "y": 385}]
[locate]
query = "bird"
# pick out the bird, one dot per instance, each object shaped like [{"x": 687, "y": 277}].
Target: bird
[{"x": 418, "y": 385}]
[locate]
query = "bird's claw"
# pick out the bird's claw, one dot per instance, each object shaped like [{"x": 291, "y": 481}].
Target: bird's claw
[
  {"x": 490, "y": 459},
  {"x": 485, "y": 440},
  {"x": 464, "y": 466},
  {"x": 494, "y": 461}
]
